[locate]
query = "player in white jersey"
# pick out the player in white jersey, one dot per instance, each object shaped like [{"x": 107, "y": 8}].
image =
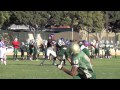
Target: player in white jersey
[
  {"x": 51, "y": 49},
  {"x": 2, "y": 51}
]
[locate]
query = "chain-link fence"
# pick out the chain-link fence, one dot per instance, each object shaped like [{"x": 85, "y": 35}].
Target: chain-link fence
[{"x": 22, "y": 36}]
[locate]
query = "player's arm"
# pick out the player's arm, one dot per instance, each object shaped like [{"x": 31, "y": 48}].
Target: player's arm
[
  {"x": 69, "y": 60},
  {"x": 73, "y": 71},
  {"x": 74, "y": 68},
  {"x": 67, "y": 55}
]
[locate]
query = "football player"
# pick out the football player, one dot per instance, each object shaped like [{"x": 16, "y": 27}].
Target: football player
[
  {"x": 51, "y": 46},
  {"x": 2, "y": 51},
  {"x": 84, "y": 45},
  {"x": 81, "y": 65},
  {"x": 61, "y": 50}
]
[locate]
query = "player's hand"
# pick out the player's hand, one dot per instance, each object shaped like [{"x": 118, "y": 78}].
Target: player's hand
[{"x": 59, "y": 66}]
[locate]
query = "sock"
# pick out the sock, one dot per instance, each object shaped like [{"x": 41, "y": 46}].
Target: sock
[
  {"x": 54, "y": 59},
  {"x": 105, "y": 56},
  {"x": 48, "y": 57},
  {"x": 61, "y": 63},
  {"x": 16, "y": 57},
  {"x": 110, "y": 56},
  {"x": 1, "y": 61},
  {"x": 64, "y": 61},
  {"x": 4, "y": 62}
]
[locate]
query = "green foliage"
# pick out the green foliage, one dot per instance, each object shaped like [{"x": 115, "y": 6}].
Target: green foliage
[
  {"x": 78, "y": 19},
  {"x": 4, "y": 16},
  {"x": 98, "y": 21},
  {"x": 32, "y": 18},
  {"x": 114, "y": 20}
]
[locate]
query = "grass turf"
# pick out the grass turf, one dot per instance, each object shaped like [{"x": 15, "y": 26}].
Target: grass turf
[{"x": 25, "y": 69}]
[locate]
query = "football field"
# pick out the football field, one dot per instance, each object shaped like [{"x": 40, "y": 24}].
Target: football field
[{"x": 25, "y": 69}]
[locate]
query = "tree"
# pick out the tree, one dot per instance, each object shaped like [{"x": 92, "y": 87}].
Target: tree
[
  {"x": 4, "y": 17},
  {"x": 114, "y": 21},
  {"x": 99, "y": 23}
]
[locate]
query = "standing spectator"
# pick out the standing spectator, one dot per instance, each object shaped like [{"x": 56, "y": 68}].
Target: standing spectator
[
  {"x": 2, "y": 51},
  {"x": 15, "y": 44},
  {"x": 27, "y": 49},
  {"x": 107, "y": 52},
  {"x": 31, "y": 49},
  {"x": 22, "y": 49},
  {"x": 42, "y": 49},
  {"x": 35, "y": 51},
  {"x": 97, "y": 46}
]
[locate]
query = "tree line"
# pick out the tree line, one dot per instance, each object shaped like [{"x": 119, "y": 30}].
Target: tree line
[{"x": 91, "y": 21}]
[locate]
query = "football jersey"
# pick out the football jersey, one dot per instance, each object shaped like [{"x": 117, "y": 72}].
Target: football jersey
[
  {"x": 82, "y": 61},
  {"x": 85, "y": 50},
  {"x": 2, "y": 44}
]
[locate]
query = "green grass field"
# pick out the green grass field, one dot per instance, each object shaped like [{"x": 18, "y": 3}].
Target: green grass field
[{"x": 25, "y": 69}]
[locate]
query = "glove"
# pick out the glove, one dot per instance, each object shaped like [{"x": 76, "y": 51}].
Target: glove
[{"x": 59, "y": 66}]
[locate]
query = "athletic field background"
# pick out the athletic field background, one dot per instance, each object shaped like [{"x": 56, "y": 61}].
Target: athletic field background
[{"x": 25, "y": 69}]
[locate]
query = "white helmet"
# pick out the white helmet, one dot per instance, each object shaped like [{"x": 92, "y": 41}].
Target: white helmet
[
  {"x": 60, "y": 42},
  {"x": 74, "y": 48}
]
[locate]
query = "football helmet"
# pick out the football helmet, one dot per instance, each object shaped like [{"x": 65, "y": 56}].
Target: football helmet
[{"x": 74, "y": 48}]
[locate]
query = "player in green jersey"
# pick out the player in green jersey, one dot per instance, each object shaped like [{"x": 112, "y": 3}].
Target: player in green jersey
[
  {"x": 62, "y": 52},
  {"x": 81, "y": 65}
]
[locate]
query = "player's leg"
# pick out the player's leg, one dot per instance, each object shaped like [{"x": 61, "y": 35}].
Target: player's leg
[
  {"x": 109, "y": 54},
  {"x": 1, "y": 60},
  {"x": 97, "y": 53},
  {"x": 47, "y": 55},
  {"x": 2, "y": 55},
  {"x": 53, "y": 53},
  {"x": 4, "y": 59},
  {"x": 64, "y": 59},
  {"x": 31, "y": 52},
  {"x": 16, "y": 52},
  {"x": 21, "y": 55},
  {"x": 28, "y": 53}
]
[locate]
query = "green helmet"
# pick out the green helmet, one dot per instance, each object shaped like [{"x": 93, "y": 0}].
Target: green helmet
[{"x": 74, "y": 48}]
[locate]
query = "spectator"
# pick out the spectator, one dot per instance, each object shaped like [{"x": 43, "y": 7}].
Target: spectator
[
  {"x": 23, "y": 49},
  {"x": 97, "y": 46},
  {"x": 27, "y": 49},
  {"x": 107, "y": 52},
  {"x": 16, "y": 45},
  {"x": 31, "y": 49}
]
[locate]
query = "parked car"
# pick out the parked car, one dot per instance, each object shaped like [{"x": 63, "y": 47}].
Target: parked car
[{"x": 9, "y": 48}]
